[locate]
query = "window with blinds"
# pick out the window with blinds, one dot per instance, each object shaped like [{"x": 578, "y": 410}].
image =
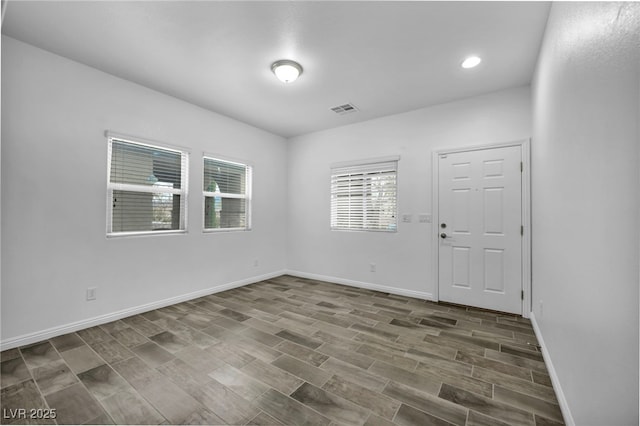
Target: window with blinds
[
  {"x": 147, "y": 188},
  {"x": 364, "y": 197},
  {"x": 227, "y": 195}
]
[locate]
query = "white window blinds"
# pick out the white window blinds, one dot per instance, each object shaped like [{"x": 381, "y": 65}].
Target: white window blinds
[
  {"x": 364, "y": 197},
  {"x": 147, "y": 188},
  {"x": 226, "y": 191}
]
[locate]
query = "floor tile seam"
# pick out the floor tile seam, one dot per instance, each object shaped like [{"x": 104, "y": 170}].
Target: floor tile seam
[
  {"x": 364, "y": 370},
  {"x": 358, "y": 341},
  {"x": 509, "y": 365},
  {"x": 342, "y": 397},
  {"x": 509, "y": 354},
  {"x": 44, "y": 396},
  {"x": 325, "y": 361},
  {"x": 152, "y": 405},
  {"x": 227, "y": 389},
  {"x": 46, "y": 403},
  {"x": 499, "y": 333},
  {"x": 79, "y": 381},
  {"x": 392, "y": 399},
  {"x": 528, "y": 396},
  {"x": 504, "y": 421},
  {"x": 65, "y": 363},
  {"x": 132, "y": 388},
  {"x": 18, "y": 382},
  {"x": 156, "y": 371},
  {"x": 28, "y": 371},
  {"x": 525, "y": 410},
  {"x": 448, "y": 381},
  {"x": 531, "y": 369},
  {"x": 295, "y": 375},
  {"x": 466, "y": 420},
  {"x": 393, "y": 419},
  {"x": 401, "y": 346},
  {"x": 329, "y": 343},
  {"x": 334, "y": 325},
  {"x": 372, "y": 414},
  {"x": 498, "y": 338},
  {"x": 466, "y": 409},
  {"x": 499, "y": 402},
  {"x": 35, "y": 382},
  {"x": 119, "y": 375},
  {"x": 415, "y": 367},
  {"x": 452, "y": 344},
  {"x": 331, "y": 393},
  {"x": 439, "y": 369},
  {"x": 531, "y": 358},
  {"x": 268, "y": 388},
  {"x": 482, "y": 343}
]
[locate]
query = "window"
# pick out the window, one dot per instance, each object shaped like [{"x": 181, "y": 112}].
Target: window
[
  {"x": 227, "y": 195},
  {"x": 146, "y": 189},
  {"x": 363, "y": 196}
]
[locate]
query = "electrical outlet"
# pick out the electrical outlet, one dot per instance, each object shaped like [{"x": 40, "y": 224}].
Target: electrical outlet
[
  {"x": 91, "y": 293},
  {"x": 256, "y": 262},
  {"x": 406, "y": 218},
  {"x": 372, "y": 267}
]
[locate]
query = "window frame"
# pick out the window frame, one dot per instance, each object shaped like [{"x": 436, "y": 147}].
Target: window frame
[
  {"x": 112, "y": 186},
  {"x": 369, "y": 166},
  {"x": 247, "y": 196}
]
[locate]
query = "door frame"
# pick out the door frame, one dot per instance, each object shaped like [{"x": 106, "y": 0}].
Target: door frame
[{"x": 524, "y": 145}]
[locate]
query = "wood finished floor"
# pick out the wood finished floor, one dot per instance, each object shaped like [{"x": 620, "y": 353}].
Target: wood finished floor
[{"x": 289, "y": 351}]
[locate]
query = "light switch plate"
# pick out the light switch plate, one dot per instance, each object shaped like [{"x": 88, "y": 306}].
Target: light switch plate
[{"x": 425, "y": 218}]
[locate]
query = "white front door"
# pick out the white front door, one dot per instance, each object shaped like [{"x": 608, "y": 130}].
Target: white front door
[{"x": 479, "y": 229}]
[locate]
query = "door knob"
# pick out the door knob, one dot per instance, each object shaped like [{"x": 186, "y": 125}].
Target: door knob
[{"x": 443, "y": 235}]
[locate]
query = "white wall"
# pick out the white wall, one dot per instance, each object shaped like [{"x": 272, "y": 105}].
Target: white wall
[
  {"x": 54, "y": 159},
  {"x": 403, "y": 259},
  {"x": 585, "y": 199}
]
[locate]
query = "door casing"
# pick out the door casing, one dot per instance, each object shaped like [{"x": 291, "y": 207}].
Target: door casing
[{"x": 526, "y": 215}]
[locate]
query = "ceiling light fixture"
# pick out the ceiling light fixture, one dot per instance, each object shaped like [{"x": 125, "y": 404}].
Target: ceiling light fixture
[
  {"x": 287, "y": 71},
  {"x": 470, "y": 62}
]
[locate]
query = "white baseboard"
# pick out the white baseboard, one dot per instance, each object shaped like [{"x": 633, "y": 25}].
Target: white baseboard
[
  {"x": 555, "y": 381},
  {"x": 49, "y": 333},
  {"x": 27, "y": 339},
  {"x": 361, "y": 284}
]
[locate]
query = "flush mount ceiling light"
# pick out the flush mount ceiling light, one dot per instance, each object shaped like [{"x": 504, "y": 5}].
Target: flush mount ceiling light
[
  {"x": 287, "y": 71},
  {"x": 471, "y": 61}
]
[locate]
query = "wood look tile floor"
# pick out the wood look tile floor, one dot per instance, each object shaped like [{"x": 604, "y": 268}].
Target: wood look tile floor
[{"x": 288, "y": 351}]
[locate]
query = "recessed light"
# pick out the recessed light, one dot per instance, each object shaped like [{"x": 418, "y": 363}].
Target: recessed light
[
  {"x": 287, "y": 71},
  {"x": 470, "y": 62}
]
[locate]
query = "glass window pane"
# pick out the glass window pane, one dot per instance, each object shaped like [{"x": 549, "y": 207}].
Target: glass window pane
[
  {"x": 225, "y": 177},
  {"x": 221, "y": 213},
  {"x": 144, "y": 165},
  {"x": 145, "y": 211}
]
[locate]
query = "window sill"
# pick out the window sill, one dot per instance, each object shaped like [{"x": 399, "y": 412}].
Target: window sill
[
  {"x": 218, "y": 230},
  {"x": 145, "y": 233},
  {"x": 390, "y": 231}
]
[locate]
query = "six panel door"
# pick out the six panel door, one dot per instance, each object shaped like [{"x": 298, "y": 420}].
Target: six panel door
[{"x": 480, "y": 213}]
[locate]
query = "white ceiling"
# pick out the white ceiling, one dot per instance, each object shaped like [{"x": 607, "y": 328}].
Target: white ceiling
[{"x": 384, "y": 57}]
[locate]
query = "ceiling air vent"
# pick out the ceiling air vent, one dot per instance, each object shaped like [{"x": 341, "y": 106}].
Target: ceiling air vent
[{"x": 344, "y": 109}]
